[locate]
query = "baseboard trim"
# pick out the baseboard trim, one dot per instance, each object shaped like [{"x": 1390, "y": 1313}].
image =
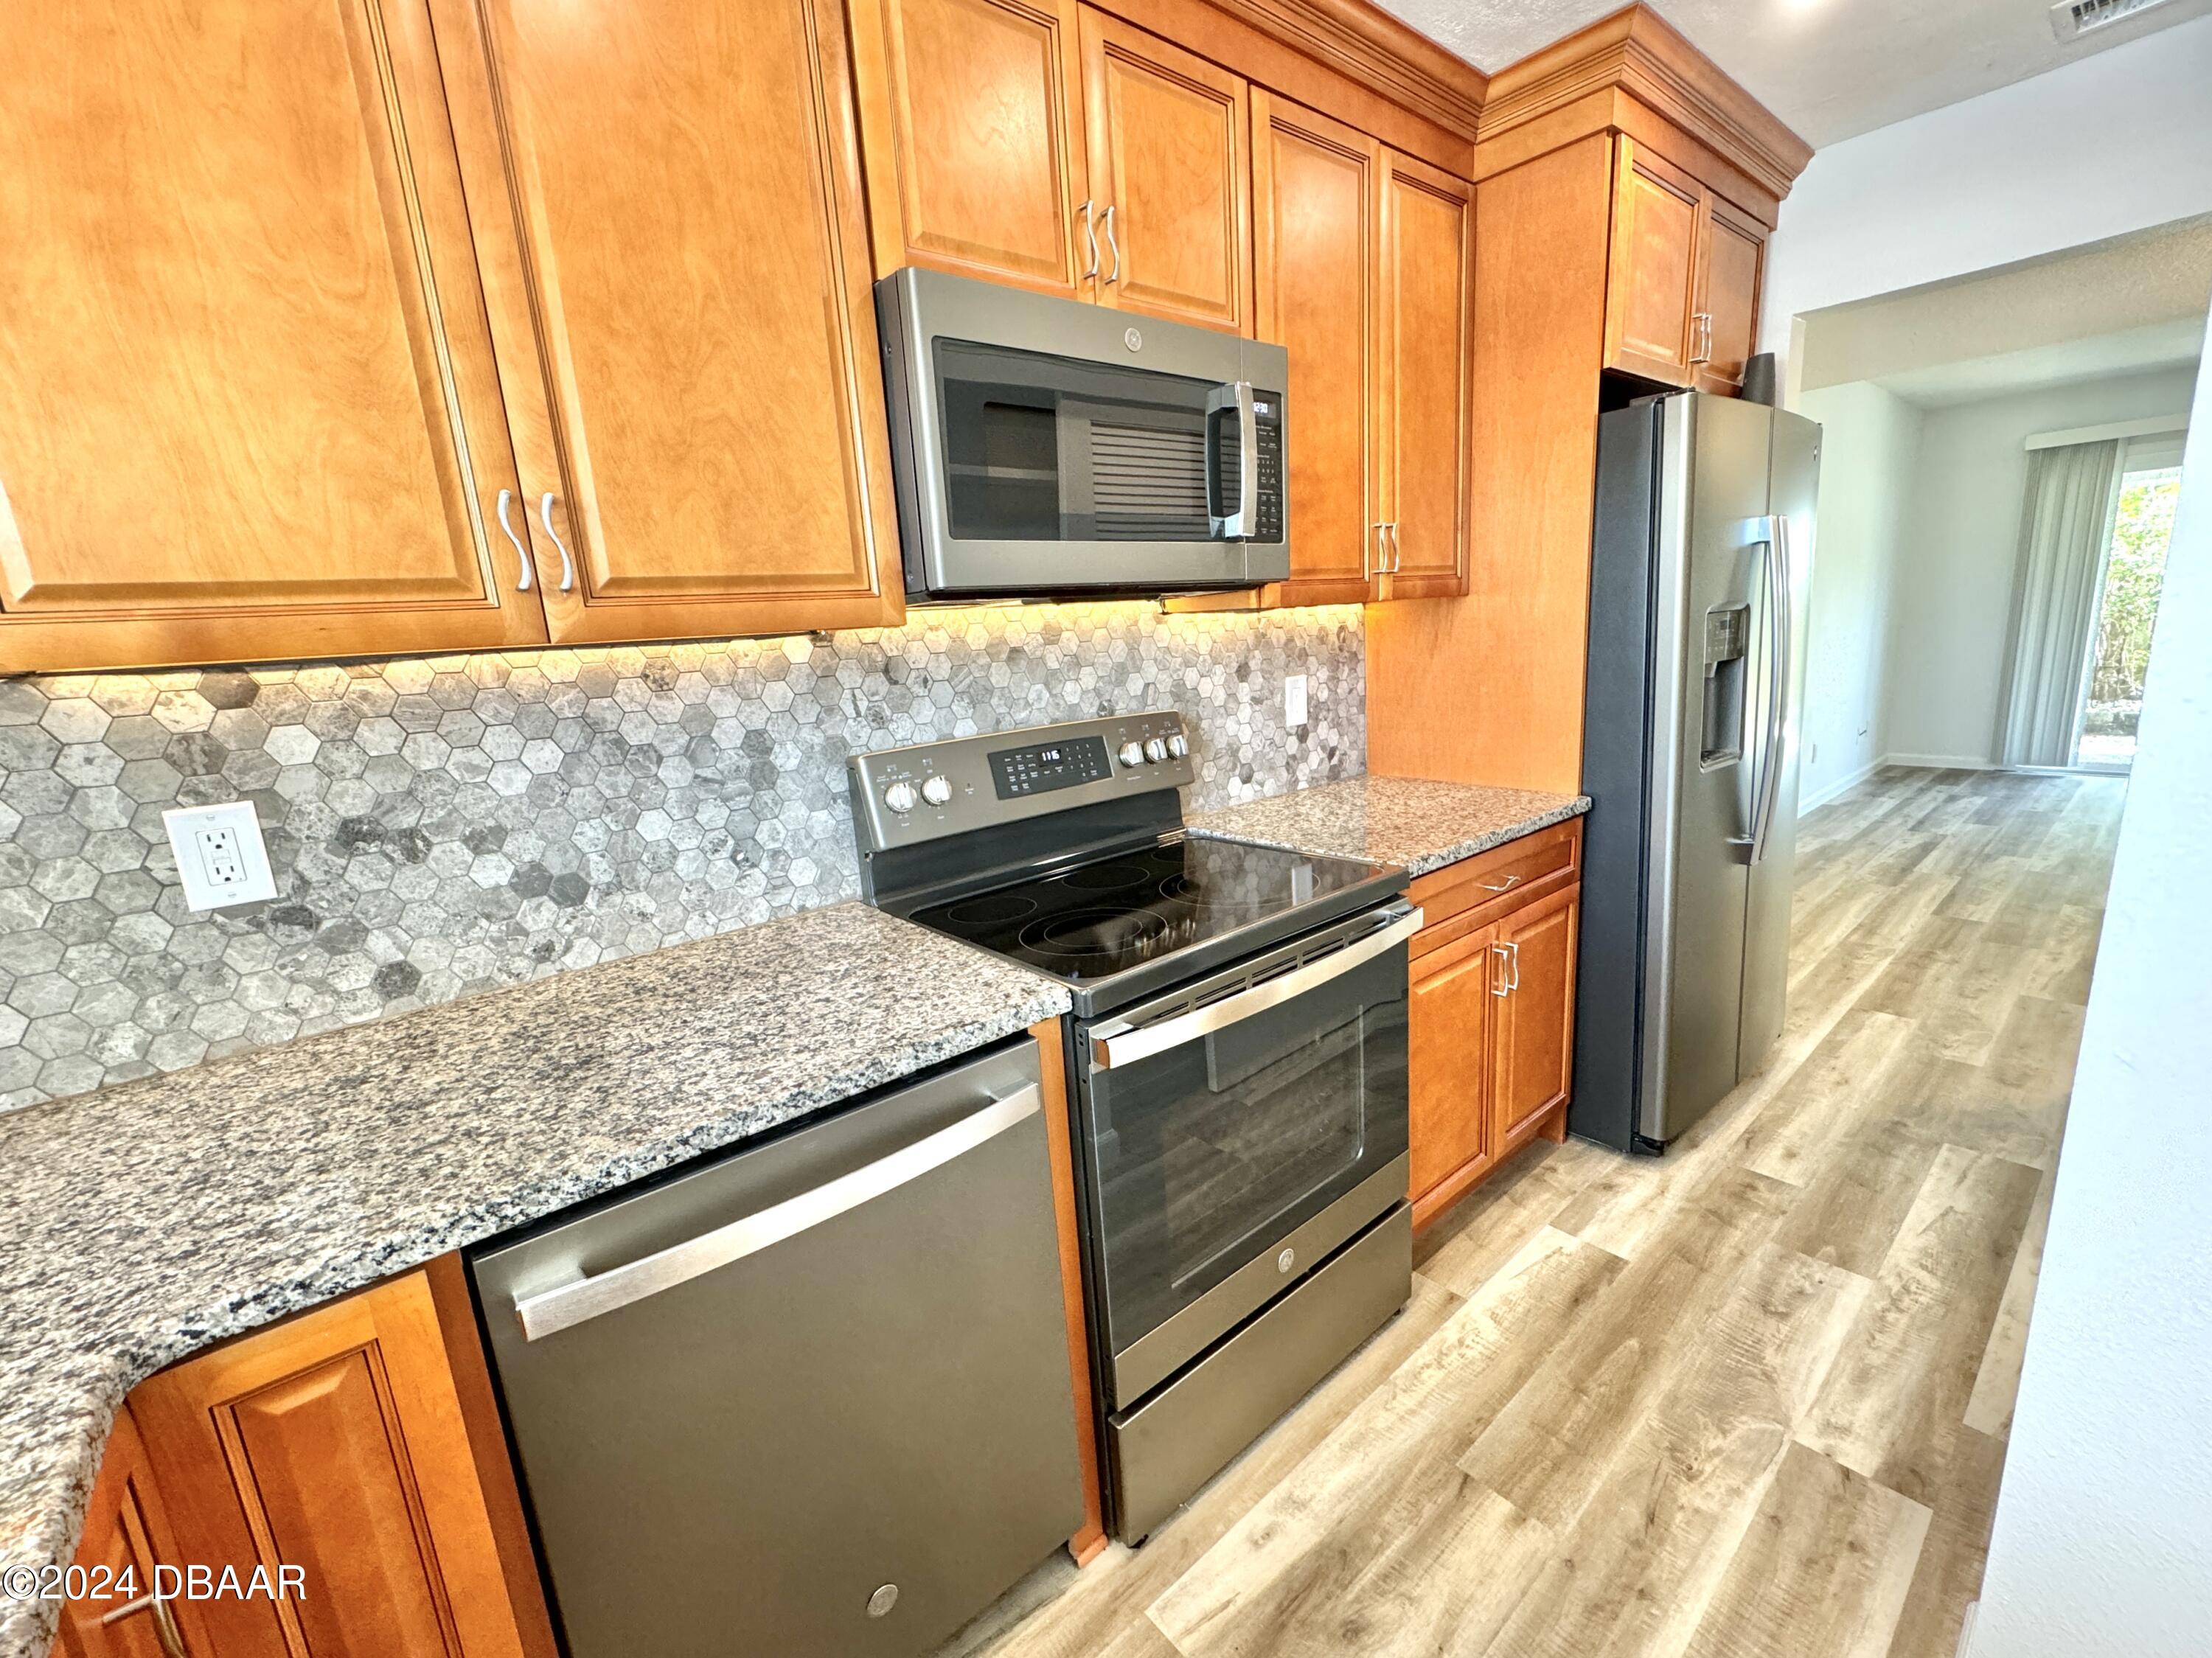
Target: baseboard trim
[
  {"x": 1942, "y": 762},
  {"x": 1838, "y": 788}
]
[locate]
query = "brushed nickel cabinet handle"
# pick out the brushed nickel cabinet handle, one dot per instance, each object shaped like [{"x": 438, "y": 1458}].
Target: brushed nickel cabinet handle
[
  {"x": 1090, "y": 239},
  {"x": 1701, "y": 336},
  {"x": 164, "y": 1622},
  {"x": 1505, "y": 885},
  {"x": 1114, "y": 246},
  {"x": 1499, "y": 985},
  {"x": 1397, "y": 550},
  {"x": 567, "y": 564},
  {"x": 1513, "y": 961},
  {"x": 521, "y": 552},
  {"x": 1380, "y": 563}
]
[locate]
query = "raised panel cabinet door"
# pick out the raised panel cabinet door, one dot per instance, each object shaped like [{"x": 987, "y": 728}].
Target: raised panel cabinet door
[
  {"x": 248, "y": 404},
  {"x": 1449, "y": 1131},
  {"x": 1532, "y": 1053},
  {"x": 1734, "y": 252},
  {"x": 335, "y": 1442},
  {"x": 1651, "y": 286},
  {"x": 1317, "y": 209},
  {"x": 687, "y": 183},
  {"x": 126, "y": 1535},
  {"x": 1428, "y": 231},
  {"x": 971, "y": 133},
  {"x": 1170, "y": 178}
]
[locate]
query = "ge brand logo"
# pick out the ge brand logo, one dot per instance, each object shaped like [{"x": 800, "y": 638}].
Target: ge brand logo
[
  {"x": 1287, "y": 1260},
  {"x": 1134, "y": 340}
]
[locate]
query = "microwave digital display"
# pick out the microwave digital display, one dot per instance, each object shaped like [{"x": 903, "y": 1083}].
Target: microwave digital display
[{"x": 1015, "y": 772}]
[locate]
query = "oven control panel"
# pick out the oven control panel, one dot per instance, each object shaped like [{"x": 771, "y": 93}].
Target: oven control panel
[{"x": 904, "y": 796}]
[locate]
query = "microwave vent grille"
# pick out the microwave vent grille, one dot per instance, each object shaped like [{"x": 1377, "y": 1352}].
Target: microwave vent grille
[{"x": 1146, "y": 483}]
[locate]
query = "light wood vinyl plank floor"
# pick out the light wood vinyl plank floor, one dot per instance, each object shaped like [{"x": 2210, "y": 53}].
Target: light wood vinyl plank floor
[{"x": 1747, "y": 1400}]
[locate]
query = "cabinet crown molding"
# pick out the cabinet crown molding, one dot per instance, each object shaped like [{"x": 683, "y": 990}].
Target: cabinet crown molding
[
  {"x": 1367, "y": 44},
  {"x": 1637, "y": 51}
]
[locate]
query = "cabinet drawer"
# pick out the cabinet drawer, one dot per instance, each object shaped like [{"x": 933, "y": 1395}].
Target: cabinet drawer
[{"x": 1464, "y": 897}]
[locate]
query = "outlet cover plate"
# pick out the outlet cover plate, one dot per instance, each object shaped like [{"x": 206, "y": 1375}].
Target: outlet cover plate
[
  {"x": 220, "y": 857},
  {"x": 1294, "y": 701}
]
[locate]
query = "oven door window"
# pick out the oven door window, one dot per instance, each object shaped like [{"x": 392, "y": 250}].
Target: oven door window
[
  {"x": 1204, "y": 1156},
  {"x": 1043, "y": 448}
]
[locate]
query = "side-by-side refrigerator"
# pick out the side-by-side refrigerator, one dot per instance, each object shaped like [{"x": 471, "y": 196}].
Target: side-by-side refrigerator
[{"x": 1701, "y": 567}]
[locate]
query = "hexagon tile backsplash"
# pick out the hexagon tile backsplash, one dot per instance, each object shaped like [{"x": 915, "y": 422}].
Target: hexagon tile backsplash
[{"x": 445, "y": 825}]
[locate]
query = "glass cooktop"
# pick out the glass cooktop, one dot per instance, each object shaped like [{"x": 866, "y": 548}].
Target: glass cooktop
[{"x": 1131, "y": 908}]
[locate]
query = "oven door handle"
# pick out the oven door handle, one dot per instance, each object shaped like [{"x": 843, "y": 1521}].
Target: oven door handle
[{"x": 1121, "y": 1044}]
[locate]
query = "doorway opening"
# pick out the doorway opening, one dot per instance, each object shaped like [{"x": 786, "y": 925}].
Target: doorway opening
[{"x": 2128, "y": 588}]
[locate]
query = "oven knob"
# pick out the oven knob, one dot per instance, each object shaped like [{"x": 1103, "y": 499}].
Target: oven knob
[
  {"x": 1178, "y": 745},
  {"x": 1155, "y": 751},
  {"x": 1131, "y": 755},
  {"x": 899, "y": 796},
  {"x": 936, "y": 790}
]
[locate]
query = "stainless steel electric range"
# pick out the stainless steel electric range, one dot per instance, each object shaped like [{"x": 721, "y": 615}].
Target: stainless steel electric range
[{"x": 1236, "y": 1062}]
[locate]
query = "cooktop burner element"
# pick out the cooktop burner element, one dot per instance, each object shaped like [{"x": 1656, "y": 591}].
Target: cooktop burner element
[{"x": 1132, "y": 906}]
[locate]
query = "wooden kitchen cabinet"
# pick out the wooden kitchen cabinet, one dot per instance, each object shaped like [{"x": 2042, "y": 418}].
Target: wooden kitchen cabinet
[
  {"x": 708, "y": 411},
  {"x": 972, "y": 138},
  {"x": 249, "y": 405},
  {"x": 338, "y": 1442},
  {"x": 1449, "y": 1129},
  {"x": 1491, "y": 1012},
  {"x": 126, "y": 1537},
  {"x": 1170, "y": 178},
  {"x": 1682, "y": 292},
  {"x": 1317, "y": 209},
  {"x": 1532, "y": 1043},
  {"x": 1428, "y": 265}
]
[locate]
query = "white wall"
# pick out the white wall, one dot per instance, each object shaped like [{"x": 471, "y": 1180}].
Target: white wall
[
  {"x": 2110, "y": 143},
  {"x": 1868, "y": 442},
  {"x": 1952, "y": 603},
  {"x": 2103, "y": 1546}
]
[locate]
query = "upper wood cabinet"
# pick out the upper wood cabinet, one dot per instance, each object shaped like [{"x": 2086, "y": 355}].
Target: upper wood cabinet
[
  {"x": 686, "y": 185},
  {"x": 1428, "y": 235},
  {"x": 337, "y": 1443},
  {"x": 1317, "y": 211},
  {"x": 1682, "y": 293},
  {"x": 249, "y": 405},
  {"x": 971, "y": 128},
  {"x": 1170, "y": 178}
]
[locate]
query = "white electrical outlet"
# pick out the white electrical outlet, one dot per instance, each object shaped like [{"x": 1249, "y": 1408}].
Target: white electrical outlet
[
  {"x": 220, "y": 857},
  {"x": 1294, "y": 701}
]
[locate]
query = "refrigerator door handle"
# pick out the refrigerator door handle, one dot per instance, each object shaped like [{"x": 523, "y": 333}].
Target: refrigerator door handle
[{"x": 1778, "y": 611}]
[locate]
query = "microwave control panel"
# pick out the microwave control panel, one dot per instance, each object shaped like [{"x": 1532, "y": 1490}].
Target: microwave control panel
[
  {"x": 1268, "y": 429},
  {"x": 902, "y": 797}
]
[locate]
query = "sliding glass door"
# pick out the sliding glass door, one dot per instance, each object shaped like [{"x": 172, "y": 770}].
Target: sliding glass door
[{"x": 2128, "y": 587}]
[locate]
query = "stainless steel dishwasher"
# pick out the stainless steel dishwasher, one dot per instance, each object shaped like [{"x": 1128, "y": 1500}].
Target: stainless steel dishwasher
[{"x": 810, "y": 1397}]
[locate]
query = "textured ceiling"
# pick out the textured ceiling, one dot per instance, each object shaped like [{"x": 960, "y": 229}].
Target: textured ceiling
[{"x": 1830, "y": 68}]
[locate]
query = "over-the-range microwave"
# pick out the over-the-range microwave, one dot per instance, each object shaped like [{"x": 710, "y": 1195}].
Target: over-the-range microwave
[{"x": 1047, "y": 447}]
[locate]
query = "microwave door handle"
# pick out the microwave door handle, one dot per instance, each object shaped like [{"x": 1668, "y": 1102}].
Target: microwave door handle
[
  {"x": 1121, "y": 1044},
  {"x": 1238, "y": 525}
]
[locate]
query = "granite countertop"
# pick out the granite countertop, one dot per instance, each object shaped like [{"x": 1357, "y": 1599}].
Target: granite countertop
[
  {"x": 153, "y": 1220},
  {"x": 1408, "y": 821}
]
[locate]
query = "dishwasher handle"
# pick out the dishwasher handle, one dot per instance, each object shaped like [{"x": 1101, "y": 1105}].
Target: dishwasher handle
[{"x": 547, "y": 1312}]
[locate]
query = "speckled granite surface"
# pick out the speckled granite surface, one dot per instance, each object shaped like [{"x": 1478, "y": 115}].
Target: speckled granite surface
[
  {"x": 1409, "y": 821},
  {"x": 152, "y": 1219}
]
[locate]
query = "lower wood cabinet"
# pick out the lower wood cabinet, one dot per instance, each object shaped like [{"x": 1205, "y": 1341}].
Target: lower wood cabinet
[
  {"x": 358, "y": 1443},
  {"x": 127, "y": 1540},
  {"x": 1490, "y": 1012}
]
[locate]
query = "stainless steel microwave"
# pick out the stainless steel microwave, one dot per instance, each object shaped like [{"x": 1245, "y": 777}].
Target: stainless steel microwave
[{"x": 1043, "y": 446}]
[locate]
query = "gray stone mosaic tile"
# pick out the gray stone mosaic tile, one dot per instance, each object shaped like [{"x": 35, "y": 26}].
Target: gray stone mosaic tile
[{"x": 441, "y": 826}]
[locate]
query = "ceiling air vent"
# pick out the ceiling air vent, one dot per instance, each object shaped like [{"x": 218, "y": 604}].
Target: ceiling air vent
[{"x": 2072, "y": 19}]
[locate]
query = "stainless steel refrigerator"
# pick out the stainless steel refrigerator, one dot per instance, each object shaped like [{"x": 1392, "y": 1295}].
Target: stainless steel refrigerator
[{"x": 1699, "y": 579}]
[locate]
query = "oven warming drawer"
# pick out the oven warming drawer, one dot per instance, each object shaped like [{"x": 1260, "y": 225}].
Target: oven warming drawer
[{"x": 1162, "y": 1451}]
